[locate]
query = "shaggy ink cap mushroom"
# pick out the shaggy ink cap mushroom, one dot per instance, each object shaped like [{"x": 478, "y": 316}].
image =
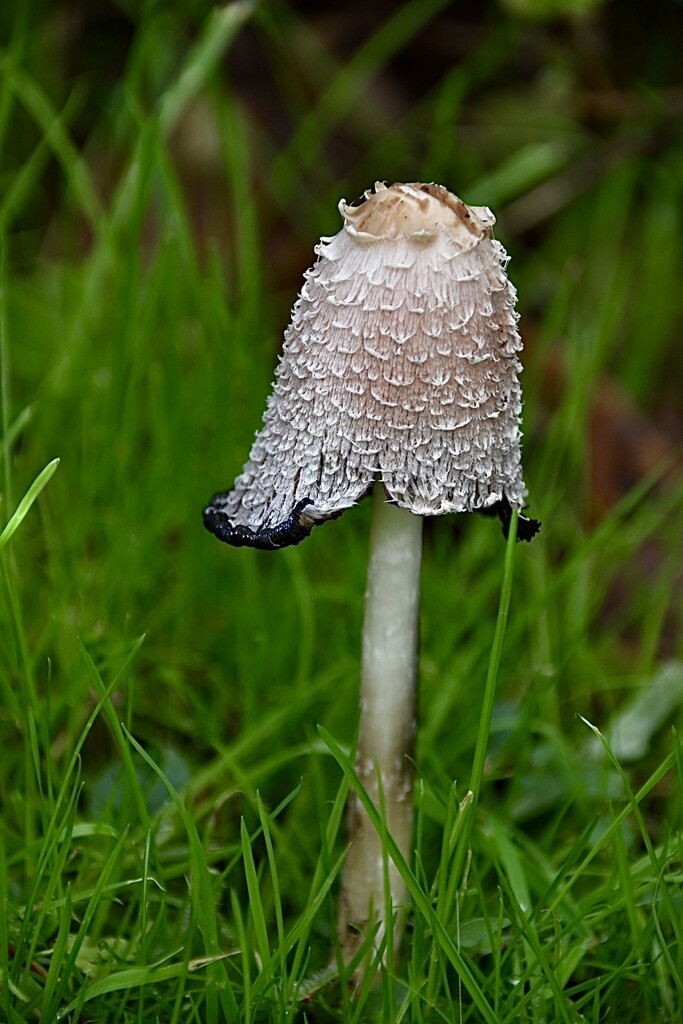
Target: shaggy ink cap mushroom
[{"x": 400, "y": 364}]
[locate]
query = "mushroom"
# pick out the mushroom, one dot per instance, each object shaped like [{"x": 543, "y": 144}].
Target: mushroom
[{"x": 399, "y": 373}]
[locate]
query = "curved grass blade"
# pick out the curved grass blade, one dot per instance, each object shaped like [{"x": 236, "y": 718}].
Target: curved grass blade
[{"x": 25, "y": 504}]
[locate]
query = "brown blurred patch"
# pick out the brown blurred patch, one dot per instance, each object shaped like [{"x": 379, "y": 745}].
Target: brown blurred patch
[{"x": 626, "y": 445}]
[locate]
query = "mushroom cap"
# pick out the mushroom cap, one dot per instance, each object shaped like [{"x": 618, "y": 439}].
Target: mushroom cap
[{"x": 399, "y": 364}]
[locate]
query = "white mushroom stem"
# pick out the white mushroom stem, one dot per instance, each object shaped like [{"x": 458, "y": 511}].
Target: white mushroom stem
[{"x": 387, "y": 724}]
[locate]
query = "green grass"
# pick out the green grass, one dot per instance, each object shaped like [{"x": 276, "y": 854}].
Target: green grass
[{"x": 176, "y": 717}]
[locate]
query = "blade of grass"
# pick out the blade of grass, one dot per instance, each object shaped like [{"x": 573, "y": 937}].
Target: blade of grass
[
  {"x": 565, "y": 886},
  {"x": 201, "y": 888},
  {"x": 27, "y": 501},
  {"x": 4, "y": 367},
  {"x": 134, "y": 978},
  {"x": 54, "y": 134},
  {"x": 16, "y": 429},
  {"x": 477, "y": 776},
  {"x": 299, "y": 933},
  {"x": 4, "y": 930},
  {"x": 539, "y": 959},
  {"x": 255, "y": 903},
  {"x": 634, "y": 805},
  {"x": 46, "y": 880},
  {"x": 57, "y": 976},
  {"x": 220, "y": 28},
  {"x": 105, "y": 693},
  {"x": 346, "y": 87},
  {"x": 245, "y": 957},
  {"x": 272, "y": 866}
]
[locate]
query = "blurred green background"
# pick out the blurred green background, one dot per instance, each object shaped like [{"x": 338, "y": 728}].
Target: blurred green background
[{"x": 165, "y": 171}]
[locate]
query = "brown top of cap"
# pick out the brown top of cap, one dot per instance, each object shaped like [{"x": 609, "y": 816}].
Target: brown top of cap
[{"x": 416, "y": 211}]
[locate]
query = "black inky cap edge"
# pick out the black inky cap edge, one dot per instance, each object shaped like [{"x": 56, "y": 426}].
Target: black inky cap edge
[
  {"x": 296, "y": 527},
  {"x": 291, "y": 530},
  {"x": 526, "y": 528}
]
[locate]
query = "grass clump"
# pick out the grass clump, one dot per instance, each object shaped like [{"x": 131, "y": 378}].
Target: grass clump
[{"x": 171, "y": 833}]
